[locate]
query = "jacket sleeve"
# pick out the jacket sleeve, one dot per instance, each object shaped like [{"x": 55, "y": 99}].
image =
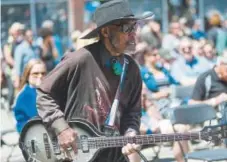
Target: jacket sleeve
[
  {"x": 131, "y": 116},
  {"x": 52, "y": 96}
]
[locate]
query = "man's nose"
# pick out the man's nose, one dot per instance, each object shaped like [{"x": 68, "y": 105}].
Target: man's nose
[{"x": 132, "y": 36}]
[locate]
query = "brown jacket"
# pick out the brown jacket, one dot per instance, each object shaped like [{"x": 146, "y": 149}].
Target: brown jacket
[{"x": 83, "y": 86}]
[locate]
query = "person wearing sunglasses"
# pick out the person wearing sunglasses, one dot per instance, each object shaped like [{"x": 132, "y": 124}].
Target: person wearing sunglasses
[
  {"x": 188, "y": 66},
  {"x": 25, "y": 103},
  {"x": 84, "y": 84}
]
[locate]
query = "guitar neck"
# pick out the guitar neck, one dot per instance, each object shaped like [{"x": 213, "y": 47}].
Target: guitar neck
[{"x": 105, "y": 142}]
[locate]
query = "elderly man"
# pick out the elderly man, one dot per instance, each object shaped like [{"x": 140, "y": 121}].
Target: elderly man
[
  {"x": 85, "y": 82},
  {"x": 211, "y": 86},
  {"x": 188, "y": 67}
]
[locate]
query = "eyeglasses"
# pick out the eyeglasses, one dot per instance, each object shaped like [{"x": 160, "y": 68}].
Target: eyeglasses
[
  {"x": 208, "y": 52},
  {"x": 127, "y": 28},
  {"x": 36, "y": 74},
  {"x": 186, "y": 49}
]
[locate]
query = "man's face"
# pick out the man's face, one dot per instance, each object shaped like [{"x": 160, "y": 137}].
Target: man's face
[
  {"x": 186, "y": 50},
  {"x": 37, "y": 74},
  {"x": 208, "y": 51},
  {"x": 175, "y": 29},
  {"x": 223, "y": 71},
  {"x": 122, "y": 36},
  {"x": 29, "y": 36},
  {"x": 152, "y": 56}
]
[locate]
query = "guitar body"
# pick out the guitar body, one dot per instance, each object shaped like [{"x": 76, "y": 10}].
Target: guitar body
[{"x": 41, "y": 145}]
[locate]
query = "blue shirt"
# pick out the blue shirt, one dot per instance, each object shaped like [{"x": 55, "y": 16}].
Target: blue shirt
[
  {"x": 23, "y": 54},
  {"x": 183, "y": 69},
  {"x": 25, "y": 106},
  {"x": 198, "y": 34},
  {"x": 149, "y": 80}
]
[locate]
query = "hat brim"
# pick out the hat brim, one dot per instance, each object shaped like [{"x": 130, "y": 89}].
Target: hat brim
[{"x": 94, "y": 33}]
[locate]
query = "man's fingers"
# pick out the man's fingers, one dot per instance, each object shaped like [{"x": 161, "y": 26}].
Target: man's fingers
[
  {"x": 68, "y": 153},
  {"x": 129, "y": 149},
  {"x": 136, "y": 147},
  {"x": 125, "y": 151},
  {"x": 65, "y": 145},
  {"x": 74, "y": 146},
  {"x": 65, "y": 154}
]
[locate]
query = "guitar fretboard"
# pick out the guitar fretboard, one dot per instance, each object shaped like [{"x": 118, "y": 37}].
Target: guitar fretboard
[{"x": 105, "y": 142}]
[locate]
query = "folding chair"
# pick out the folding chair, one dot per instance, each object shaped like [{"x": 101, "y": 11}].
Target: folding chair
[
  {"x": 197, "y": 114},
  {"x": 181, "y": 92}
]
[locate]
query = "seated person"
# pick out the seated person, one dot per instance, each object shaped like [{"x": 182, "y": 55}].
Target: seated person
[
  {"x": 155, "y": 76},
  {"x": 188, "y": 67},
  {"x": 152, "y": 122},
  {"x": 25, "y": 103},
  {"x": 210, "y": 53},
  {"x": 211, "y": 86}
]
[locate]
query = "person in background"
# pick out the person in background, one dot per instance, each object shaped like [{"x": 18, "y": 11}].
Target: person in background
[
  {"x": 188, "y": 67},
  {"x": 23, "y": 53},
  {"x": 184, "y": 25},
  {"x": 152, "y": 122},
  {"x": 49, "y": 24},
  {"x": 166, "y": 58},
  {"x": 172, "y": 40},
  {"x": 197, "y": 47},
  {"x": 211, "y": 86},
  {"x": 210, "y": 54},
  {"x": 14, "y": 39},
  {"x": 25, "y": 103},
  {"x": 49, "y": 51},
  {"x": 155, "y": 75},
  {"x": 151, "y": 34},
  {"x": 216, "y": 33},
  {"x": 197, "y": 33}
]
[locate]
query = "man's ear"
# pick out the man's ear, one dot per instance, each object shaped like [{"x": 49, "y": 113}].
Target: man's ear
[{"x": 105, "y": 32}]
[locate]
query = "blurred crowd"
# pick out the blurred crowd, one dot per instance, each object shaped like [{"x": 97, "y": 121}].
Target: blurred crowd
[
  {"x": 184, "y": 57},
  {"x": 176, "y": 58}
]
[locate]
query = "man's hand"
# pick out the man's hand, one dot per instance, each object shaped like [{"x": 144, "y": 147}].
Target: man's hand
[
  {"x": 67, "y": 140},
  {"x": 130, "y": 148}
]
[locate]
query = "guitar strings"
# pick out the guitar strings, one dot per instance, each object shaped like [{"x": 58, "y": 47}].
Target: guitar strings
[{"x": 97, "y": 142}]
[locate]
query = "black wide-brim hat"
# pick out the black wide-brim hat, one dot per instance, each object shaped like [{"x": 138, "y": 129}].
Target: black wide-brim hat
[{"x": 111, "y": 11}]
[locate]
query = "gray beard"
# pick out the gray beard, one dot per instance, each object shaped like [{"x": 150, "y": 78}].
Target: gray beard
[{"x": 130, "y": 47}]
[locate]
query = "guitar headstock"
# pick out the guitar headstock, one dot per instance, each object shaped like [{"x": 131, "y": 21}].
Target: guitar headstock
[{"x": 214, "y": 133}]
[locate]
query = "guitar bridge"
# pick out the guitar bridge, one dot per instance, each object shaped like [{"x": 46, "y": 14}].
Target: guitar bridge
[{"x": 84, "y": 143}]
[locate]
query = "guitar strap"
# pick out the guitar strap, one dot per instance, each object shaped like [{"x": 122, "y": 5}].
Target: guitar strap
[
  {"x": 109, "y": 129},
  {"x": 109, "y": 124}
]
